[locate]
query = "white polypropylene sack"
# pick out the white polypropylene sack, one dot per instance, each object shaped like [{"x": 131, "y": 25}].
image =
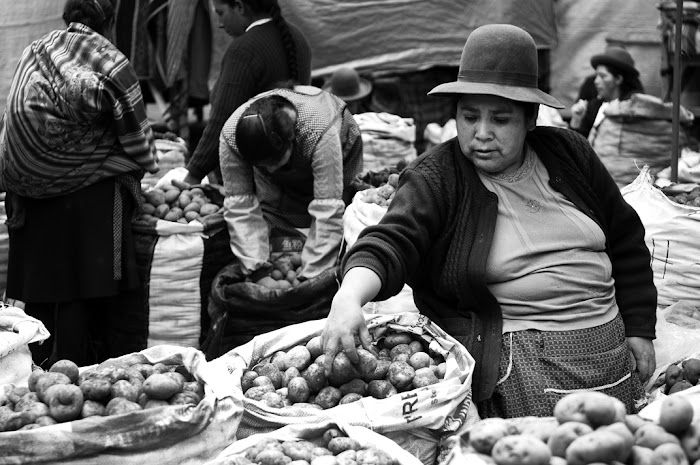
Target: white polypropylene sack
[
  {"x": 671, "y": 234},
  {"x": 358, "y": 215},
  {"x": 415, "y": 419},
  {"x": 312, "y": 432},
  {"x": 17, "y": 331},
  {"x": 174, "y": 434}
]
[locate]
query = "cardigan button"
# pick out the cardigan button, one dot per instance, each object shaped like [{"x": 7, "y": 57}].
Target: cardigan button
[{"x": 559, "y": 179}]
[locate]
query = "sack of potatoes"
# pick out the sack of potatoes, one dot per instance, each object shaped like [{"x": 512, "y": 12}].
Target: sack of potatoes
[
  {"x": 63, "y": 394},
  {"x": 679, "y": 376},
  {"x": 691, "y": 199},
  {"x": 399, "y": 362},
  {"x": 324, "y": 443},
  {"x": 284, "y": 273},
  {"x": 179, "y": 202},
  {"x": 587, "y": 427},
  {"x": 383, "y": 194}
]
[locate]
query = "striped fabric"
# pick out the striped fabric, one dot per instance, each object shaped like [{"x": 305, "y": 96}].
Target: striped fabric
[{"x": 75, "y": 115}]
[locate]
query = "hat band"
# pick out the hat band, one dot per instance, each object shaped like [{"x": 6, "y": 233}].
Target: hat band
[{"x": 498, "y": 77}]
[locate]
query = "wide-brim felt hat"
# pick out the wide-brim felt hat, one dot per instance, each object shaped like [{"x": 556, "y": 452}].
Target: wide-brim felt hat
[
  {"x": 499, "y": 59},
  {"x": 347, "y": 84},
  {"x": 616, "y": 57}
]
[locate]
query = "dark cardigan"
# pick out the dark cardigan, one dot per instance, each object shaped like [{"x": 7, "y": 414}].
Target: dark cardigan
[{"x": 437, "y": 234}]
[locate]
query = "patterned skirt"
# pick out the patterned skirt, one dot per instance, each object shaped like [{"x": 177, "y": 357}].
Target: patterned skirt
[{"x": 537, "y": 368}]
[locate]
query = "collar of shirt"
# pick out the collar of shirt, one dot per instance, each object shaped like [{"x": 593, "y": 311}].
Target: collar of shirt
[{"x": 259, "y": 22}]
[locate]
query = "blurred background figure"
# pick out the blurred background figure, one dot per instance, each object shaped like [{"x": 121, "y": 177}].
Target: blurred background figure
[{"x": 355, "y": 90}]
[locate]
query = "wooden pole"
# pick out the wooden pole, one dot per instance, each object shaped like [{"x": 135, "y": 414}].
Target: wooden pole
[{"x": 677, "y": 71}]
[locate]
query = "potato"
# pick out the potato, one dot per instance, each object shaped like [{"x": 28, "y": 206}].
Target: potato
[
  {"x": 247, "y": 379},
  {"x": 155, "y": 197},
  {"x": 485, "y": 433},
  {"x": 401, "y": 374},
  {"x": 68, "y": 368},
  {"x": 45, "y": 421},
  {"x": 48, "y": 379},
  {"x": 125, "y": 389},
  {"x": 328, "y": 397},
  {"x": 289, "y": 373},
  {"x": 640, "y": 456},
  {"x": 148, "y": 209},
  {"x": 272, "y": 399},
  {"x": 195, "y": 387},
  {"x": 15, "y": 421},
  {"x": 271, "y": 371},
  {"x": 419, "y": 360},
  {"x": 298, "y": 357},
  {"x": 35, "y": 409},
  {"x": 380, "y": 371},
  {"x": 315, "y": 377},
  {"x": 196, "y": 192},
  {"x": 257, "y": 392},
  {"x": 263, "y": 381},
  {"x": 171, "y": 195},
  {"x": 676, "y": 414},
  {"x": 350, "y": 398},
  {"x": 146, "y": 369},
  {"x": 674, "y": 374},
  {"x": 65, "y": 401},
  {"x": 278, "y": 358},
  {"x": 669, "y": 454},
  {"x": 619, "y": 428},
  {"x": 367, "y": 362},
  {"x": 26, "y": 400},
  {"x": 690, "y": 442},
  {"x": 291, "y": 276},
  {"x": 591, "y": 407},
  {"x": 314, "y": 347},
  {"x": 357, "y": 386},
  {"x": 652, "y": 435},
  {"x": 424, "y": 377},
  {"x": 392, "y": 340},
  {"x": 208, "y": 209},
  {"x": 596, "y": 446},
  {"x": 276, "y": 275},
  {"x": 634, "y": 421},
  {"x": 416, "y": 346},
  {"x": 119, "y": 405},
  {"x": 342, "y": 370},
  {"x": 184, "y": 201},
  {"x": 380, "y": 389},
  {"x": 298, "y": 390},
  {"x": 184, "y": 398},
  {"x": 298, "y": 450},
  {"x": 679, "y": 386},
  {"x": 341, "y": 444},
  {"x": 400, "y": 349},
  {"x": 161, "y": 386},
  {"x": 92, "y": 408},
  {"x": 372, "y": 456},
  {"x": 384, "y": 354},
  {"x": 161, "y": 211},
  {"x": 691, "y": 370},
  {"x": 272, "y": 457}
]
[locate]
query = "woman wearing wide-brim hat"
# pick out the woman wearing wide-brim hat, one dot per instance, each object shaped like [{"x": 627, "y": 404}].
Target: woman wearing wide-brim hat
[
  {"x": 516, "y": 241},
  {"x": 616, "y": 78}
]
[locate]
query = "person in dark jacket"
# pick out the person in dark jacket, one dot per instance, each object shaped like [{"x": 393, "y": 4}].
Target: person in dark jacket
[
  {"x": 266, "y": 50},
  {"x": 516, "y": 241}
]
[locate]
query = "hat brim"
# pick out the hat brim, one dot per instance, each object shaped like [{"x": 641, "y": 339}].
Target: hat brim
[
  {"x": 365, "y": 88},
  {"x": 621, "y": 65},
  {"x": 519, "y": 94}
]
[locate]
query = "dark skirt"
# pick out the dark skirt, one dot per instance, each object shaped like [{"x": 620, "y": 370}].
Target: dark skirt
[
  {"x": 64, "y": 252},
  {"x": 537, "y": 368}
]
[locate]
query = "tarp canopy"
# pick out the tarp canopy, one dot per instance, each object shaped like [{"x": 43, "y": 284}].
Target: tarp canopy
[{"x": 406, "y": 35}]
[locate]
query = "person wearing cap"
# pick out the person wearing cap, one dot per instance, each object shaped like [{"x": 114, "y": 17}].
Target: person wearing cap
[
  {"x": 516, "y": 241},
  {"x": 288, "y": 157},
  {"x": 616, "y": 78},
  {"x": 347, "y": 84}
]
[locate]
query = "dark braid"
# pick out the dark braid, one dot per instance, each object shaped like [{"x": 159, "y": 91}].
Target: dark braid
[{"x": 287, "y": 40}]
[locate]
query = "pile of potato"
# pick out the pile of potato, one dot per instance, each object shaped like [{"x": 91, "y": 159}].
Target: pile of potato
[
  {"x": 680, "y": 377},
  {"x": 400, "y": 362},
  {"x": 177, "y": 202},
  {"x": 333, "y": 448},
  {"x": 284, "y": 272},
  {"x": 63, "y": 394},
  {"x": 691, "y": 198},
  {"x": 384, "y": 194},
  {"x": 592, "y": 428}
]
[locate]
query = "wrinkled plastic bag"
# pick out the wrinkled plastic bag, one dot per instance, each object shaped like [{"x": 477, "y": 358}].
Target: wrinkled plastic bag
[
  {"x": 312, "y": 432},
  {"x": 673, "y": 343},
  {"x": 17, "y": 331}
]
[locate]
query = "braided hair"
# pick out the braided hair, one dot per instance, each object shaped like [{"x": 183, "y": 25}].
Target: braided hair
[
  {"x": 272, "y": 8},
  {"x": 95, "y": 14}
]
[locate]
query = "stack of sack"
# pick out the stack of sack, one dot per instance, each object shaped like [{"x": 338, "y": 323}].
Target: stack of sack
[{"x": 386, "y": 140}]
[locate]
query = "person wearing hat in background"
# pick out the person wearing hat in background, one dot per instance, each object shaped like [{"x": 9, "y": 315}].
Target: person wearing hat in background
[
  {"x": 347, "y": 84},
  {"x": 288, "y": 157},
  {"x": 516, "y": 241},
  {"x": 615, "y": 78}
]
